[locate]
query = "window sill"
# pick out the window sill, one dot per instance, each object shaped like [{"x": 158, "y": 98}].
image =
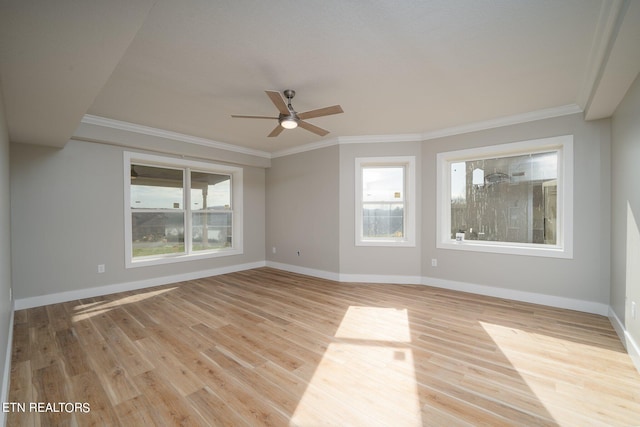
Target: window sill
[
  {"x": 387, "y": 243},
  {"x": 169, "y": 259},
  {"x": 509, "y": 249}
]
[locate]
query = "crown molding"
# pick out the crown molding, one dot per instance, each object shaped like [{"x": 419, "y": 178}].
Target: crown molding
[
  {"x": 161, "y": 133},
  {"x": 343, "y": 140},
  {"x": 340, "y": 140},
  {"x": 372, "y": 139},
  {"x": 607, "y": 28},
  {"x": 306, "y": 147},
  {"x": 620, "y": 64},
  {"x": 532, "y": 116}
]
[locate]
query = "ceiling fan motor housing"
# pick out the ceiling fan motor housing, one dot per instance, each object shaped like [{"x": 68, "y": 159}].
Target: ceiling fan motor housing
[{"x": 289, "y": 94}]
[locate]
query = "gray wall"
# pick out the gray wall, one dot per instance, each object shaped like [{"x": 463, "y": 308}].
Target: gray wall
[
  {"x": 586, "y": 276},
  {"x": 301, "y": 196},
  {"x": 375, "y": 260},
  {"x": 625, "y": 218},
  {"x": 302, "y": 209},
  {"x": 67, "y": 217},
  {"x": 5, "y": 250}
]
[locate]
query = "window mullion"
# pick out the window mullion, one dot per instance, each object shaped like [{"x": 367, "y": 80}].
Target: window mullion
[
  {"x": 188, "y": 241},
  {"x": 404, "y": 202}
]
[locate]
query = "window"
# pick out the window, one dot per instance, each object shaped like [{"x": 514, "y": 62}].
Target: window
[
  {"x": 514, "y": 198},
  {"x": 385, "y": 201},
  {"x": 178, "y": 210}
]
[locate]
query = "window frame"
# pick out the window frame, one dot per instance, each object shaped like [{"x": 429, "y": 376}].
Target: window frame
[
  {"x": 563, "y": 248},
  {"x": 187, "y": 166},
  {"x": 409, "y": 211}
]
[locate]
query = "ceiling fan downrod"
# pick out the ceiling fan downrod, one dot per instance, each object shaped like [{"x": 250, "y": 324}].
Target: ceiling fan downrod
[{"x": 289, "y": 94}]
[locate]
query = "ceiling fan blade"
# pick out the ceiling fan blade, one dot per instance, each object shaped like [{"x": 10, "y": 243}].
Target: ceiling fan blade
[
  {"x": 278, "y": 101},
  {"x": 312, "y": 128},
  {"x": 276, "y": 131},
  {"x": 327, "y": 111},
  {"x": 235, "y": 116}
]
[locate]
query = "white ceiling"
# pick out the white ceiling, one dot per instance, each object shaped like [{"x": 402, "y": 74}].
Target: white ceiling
[{"x": 396, "y": 67}]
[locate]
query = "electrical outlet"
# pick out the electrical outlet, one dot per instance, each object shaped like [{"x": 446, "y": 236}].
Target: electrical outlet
[
  {"x": 273, "y": 250},
  {"x": 10, "y": 294},
  {"x": 633, "y": 309},
  {"x": 100, "y": 268},
  {"x": 434, "y": 262}
]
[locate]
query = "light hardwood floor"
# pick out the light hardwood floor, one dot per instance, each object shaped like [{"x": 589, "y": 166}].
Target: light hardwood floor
[{"x": 265, "y": 347}]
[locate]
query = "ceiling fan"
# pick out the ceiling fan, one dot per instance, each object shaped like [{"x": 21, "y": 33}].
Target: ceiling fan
[{"x": 289, "y": 118}]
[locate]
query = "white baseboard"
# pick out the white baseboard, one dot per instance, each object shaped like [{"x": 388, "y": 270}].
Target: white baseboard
[
  {"x": 59, "y": 297},
  {"x": 549, "y": 300},
  {"x": 617, "y": 325},
  {"x": 322, "y": 274},
  {"x": 6, "y": 376},
  {"x": 348, "y": 278},
  {"x": 345, "y": 277},
  {"x": 511, "y": 294},
  {"x": 381, "y": 278},
  {"x": 632, "y": 347},
  {"x": 531, "y": 297}
]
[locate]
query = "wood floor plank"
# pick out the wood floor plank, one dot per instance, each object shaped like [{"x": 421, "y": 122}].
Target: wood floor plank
[
  {"x": 215, "y": 410},
  {"x": 116, "y": 381},
  {"x": 20, "y": 351},
  {"x": 167, "y": 405},
  {"x": 100, "y": 411},
  {"x": 247, "y": 404},
  {"x": 169, "y": 367},
  {"x": 51, "y": 387},
  {"x": 43, "y": 347},
  {"x": 266, "y": 347},
  {"x": 74, "y": 358},
  {"x": 135, "y": 412},
  {"x": 22, "y": 391},
  {"x": 58, "y": 317},
  {"x": 127, "y": 324}
]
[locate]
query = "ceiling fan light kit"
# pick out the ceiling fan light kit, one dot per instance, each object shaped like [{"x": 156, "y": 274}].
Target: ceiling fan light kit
[
  {"x": 289, "y": 122},
  {"x": 289, "y": 118}
]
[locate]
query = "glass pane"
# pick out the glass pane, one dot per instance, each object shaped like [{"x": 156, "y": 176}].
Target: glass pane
[
  {"x": 156, "y": 233},
  {"x": 506, "y": 199},
  {"x": 156, "y": 188},
  {"x": 210, "y": 191},
  {"x": 383, "y": 220},
  {"x": 211, "y": 230},
  {"x": 380, "y": 184}
]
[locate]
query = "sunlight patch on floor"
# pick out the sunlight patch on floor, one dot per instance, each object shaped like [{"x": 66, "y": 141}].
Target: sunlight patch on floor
[
  {"x": 537, "y": 357},
  {"x": 513, "y": 344},
  {"x": 86, "y": 311},
  {"x": 375, "y": 323},
  {"x": 366, "y": 377}
]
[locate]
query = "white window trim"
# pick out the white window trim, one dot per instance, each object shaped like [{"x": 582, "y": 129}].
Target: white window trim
[
  {"x": 236, "y": 194},
  {"x": 409, "y": 163},
  {"x": 564, "y": 247}
]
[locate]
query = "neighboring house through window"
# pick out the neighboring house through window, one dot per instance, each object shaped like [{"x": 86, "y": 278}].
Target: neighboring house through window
[
  {"x": 513, "y": 198},
  {"x": 179, "y": 210}
]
